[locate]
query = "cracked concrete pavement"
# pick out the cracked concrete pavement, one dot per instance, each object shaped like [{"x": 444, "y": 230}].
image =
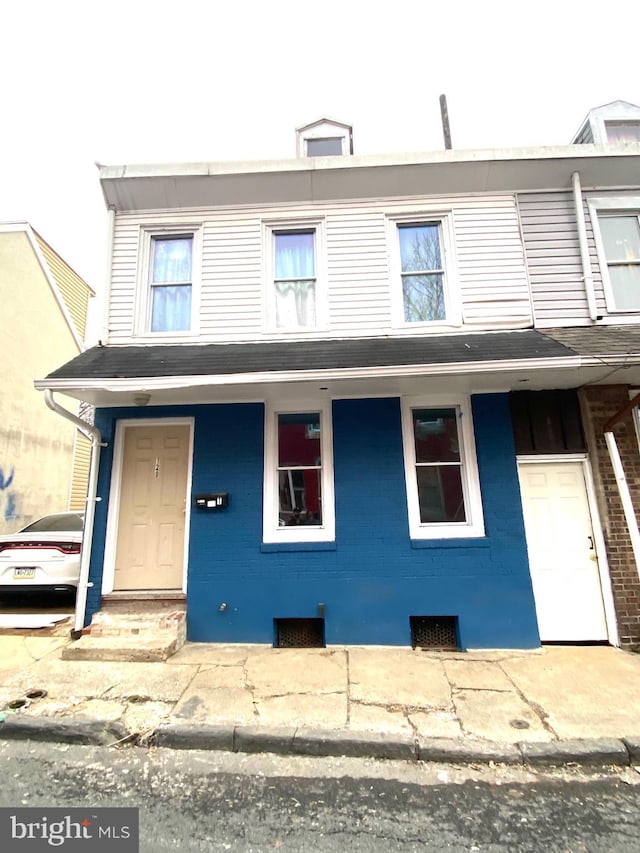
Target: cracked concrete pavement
[{"x": 500, "y": 697}]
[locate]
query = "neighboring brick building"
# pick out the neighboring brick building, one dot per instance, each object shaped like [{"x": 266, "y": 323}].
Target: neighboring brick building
[{"x": 600, "y": 404}]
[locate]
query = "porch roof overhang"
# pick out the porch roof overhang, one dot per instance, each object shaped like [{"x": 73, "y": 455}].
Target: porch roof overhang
[
  {"x": 154, "y": 187},
  {"x": 241, "y": 372}
]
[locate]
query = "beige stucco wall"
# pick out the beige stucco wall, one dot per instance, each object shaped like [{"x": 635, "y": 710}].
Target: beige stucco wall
[{"x": 36, "y": 446}]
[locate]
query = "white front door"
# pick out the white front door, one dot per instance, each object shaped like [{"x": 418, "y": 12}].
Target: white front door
[{"x": 562, "y": 556}]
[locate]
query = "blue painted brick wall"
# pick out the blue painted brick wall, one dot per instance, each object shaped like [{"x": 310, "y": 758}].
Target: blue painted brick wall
[{"x": 373, "y": 579}]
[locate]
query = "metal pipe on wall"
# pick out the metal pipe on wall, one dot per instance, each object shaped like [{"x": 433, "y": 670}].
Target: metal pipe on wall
[
  {"x": 92, "y": 433},
  {"x": 587, "y": 273}
]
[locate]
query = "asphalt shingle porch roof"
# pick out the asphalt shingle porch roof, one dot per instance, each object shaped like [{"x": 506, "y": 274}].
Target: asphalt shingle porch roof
[{"x": 113, "y": 362}]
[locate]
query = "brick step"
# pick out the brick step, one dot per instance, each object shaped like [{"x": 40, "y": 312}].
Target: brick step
[
  {"x": 136, "y": 627},
  {"x": 138, "y": 621},
  {"x": 132, "y": 631}
]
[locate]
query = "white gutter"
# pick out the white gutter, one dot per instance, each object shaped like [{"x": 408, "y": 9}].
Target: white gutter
[
  {"x": 159, "y": 383},
  {"x": 104, "y": 332},
  {"x": 587, "y": 273},
  {"x": 92, "y": 433},
  {"x": 625, "y": 497}
]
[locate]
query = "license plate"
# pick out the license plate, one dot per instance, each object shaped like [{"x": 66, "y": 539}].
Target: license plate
[{"x": 24, "y": 573}]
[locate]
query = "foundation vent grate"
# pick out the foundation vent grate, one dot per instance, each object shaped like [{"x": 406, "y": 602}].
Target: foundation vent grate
[
  {"x": 299, "y": 633},
  {"x": 434, "y": 632}
]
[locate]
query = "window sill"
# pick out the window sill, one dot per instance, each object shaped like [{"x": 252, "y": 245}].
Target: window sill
[
  {"x": 276, "y": 547},
  {"x": 298, "y": 332},
  {"x": 461, "y": 542},
  {"x": 453, "y": 324},
  {"x": 173, "y": 337}
]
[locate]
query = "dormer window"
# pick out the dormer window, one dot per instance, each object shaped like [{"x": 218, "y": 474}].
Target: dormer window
[
  {"x": 622, "y": 131},
  {"x": 616, "y": 122},
  {"x": 324, "y": 138},
  {"x": 328, "y": 146}
]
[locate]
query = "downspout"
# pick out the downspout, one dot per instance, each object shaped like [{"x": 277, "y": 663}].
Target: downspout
[
  {"x": 621, "y": 480},
  {"x": 93, "y": 433},
  {"x": 587, "y": 274}
]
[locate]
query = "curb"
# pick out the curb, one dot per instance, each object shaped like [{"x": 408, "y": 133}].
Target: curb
[
  {"x": 328, "y": 743},
  {"x": 81, "y": 730}
]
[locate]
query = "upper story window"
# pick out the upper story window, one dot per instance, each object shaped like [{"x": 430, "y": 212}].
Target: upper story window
[
  {"x": 298, "y": 479},
  {"x": 616, "y": 229},
  {"x": 422, "y": 271},
  {"x": 329, "y": 146},
  {"x": 295, "y": 278},
  {"x": 621, "y": 241},
  {"x": 167, "y": 276},
  {"x": 443, "y": 489},
  {"x": 325, "y": 137},
  {"x": 171, "y": 283},
  {"x": 622, "y": 131},
  {"x": 294, "y": 255}
]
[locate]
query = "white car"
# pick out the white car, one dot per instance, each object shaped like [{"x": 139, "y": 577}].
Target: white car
[{"x": 43, "y": 556}]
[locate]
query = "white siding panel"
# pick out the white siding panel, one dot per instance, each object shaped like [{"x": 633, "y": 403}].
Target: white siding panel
[
  {"x": 355, "y": 272},
  {"x": 553, "y": 257}
]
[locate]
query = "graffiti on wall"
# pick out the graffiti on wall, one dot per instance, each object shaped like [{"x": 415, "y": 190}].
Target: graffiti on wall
[{"x": 7, "y": 497}]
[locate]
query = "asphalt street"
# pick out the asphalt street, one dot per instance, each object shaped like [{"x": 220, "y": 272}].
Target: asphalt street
[{"x": 199, "y": 801}]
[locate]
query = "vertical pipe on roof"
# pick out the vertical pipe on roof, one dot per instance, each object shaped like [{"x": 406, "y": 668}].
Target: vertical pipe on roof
[
  {"x": 446, "y": 129},
  {"x": 587, "y": 274}
]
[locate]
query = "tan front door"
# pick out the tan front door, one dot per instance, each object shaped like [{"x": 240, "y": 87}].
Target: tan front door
[{"x": 151, "y": 519}]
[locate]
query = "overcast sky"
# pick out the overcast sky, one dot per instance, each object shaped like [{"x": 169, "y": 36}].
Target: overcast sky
[{"x": 133, "y": 81}]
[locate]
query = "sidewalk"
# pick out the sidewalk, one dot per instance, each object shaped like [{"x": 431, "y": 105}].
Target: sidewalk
[{"x": 550, "y": 706}]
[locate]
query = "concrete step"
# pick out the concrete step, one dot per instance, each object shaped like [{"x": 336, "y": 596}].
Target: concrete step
[{"x": 156, "y": 648}]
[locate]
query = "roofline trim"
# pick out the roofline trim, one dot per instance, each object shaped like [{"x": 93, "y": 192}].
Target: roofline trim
[{"x": 317, "y": 164}]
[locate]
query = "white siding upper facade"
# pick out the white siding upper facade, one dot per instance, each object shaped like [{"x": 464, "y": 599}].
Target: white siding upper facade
[
  {"x": 554, "y": 263},
  {"x": 357, "y": 275}
]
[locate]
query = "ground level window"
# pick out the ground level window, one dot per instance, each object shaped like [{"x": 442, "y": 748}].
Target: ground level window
[
  {"x": 438, "y": 465},
  {"x": 443, "y": 488},
  {"x": 299, "y": 469},
  {"x": 298, "y": 475}
]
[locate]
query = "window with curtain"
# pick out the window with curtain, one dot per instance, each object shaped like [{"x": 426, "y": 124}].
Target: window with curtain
[
  {"x": 295, "y": 278},
  {"x": 623, "y": 131},
  {"x": 171, "y": 283},
  {"x": 422, "y": 272}
]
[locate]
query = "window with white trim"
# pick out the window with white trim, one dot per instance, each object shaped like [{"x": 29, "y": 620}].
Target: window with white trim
[
  {"x": 422, "y": 263},
  {"x": 443, "y": 487},
  {"x": 620, "y": 235},
  {"x": 298, "y": 477},
  {"x": 167, "y": 301},
  {"x": 293, "y": 280},
  {"x": 616, "y": 231},
  {"x": 325, "y": 146},
  {"x": 623, "y": 131}
]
